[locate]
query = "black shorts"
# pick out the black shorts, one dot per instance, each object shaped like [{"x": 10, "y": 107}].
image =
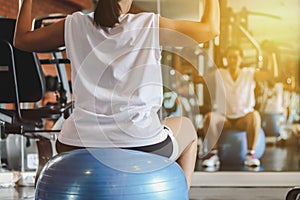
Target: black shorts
[{"x": 164, "y": 148}]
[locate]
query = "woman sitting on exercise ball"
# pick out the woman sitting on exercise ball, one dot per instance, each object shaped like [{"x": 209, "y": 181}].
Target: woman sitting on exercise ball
[{"x": 116, "y": 76}]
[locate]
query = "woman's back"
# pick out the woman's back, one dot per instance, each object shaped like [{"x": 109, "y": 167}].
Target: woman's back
[{"x": 116, "y": 78}]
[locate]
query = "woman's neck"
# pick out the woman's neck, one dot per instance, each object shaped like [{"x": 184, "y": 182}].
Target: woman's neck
[{"x": 234, "y": 72}]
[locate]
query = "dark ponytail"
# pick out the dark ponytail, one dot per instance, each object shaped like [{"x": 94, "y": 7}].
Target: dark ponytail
[{"x": 107, "y": 13}]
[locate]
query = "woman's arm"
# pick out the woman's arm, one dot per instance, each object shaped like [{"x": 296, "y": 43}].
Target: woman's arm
[
  {"x": 43, "y": 39},
  {"x": 272, "y": 73},
  {"x": 180, "y": 32}
]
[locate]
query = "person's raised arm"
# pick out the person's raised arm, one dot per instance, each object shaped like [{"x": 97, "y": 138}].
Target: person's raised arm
[
  {"x": 272, "y": 74},
  {"x": 180, "y": 32},
  {"x": 43, "y": 39}
]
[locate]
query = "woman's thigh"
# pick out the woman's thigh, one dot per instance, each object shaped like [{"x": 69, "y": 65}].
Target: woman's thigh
[
  {"x": 251, "y": 119},
  {"x": 183, "y": 131}
]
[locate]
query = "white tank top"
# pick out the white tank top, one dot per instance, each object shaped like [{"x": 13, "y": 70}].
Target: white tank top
[
  {"x": 116, "y": 80},
  {"x": 235, "y": 98}
]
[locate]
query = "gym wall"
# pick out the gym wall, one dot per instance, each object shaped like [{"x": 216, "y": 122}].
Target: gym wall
[{"x": 9, "y": 8}]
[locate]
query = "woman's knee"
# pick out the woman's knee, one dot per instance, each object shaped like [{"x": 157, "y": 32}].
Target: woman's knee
[
  {"x": 254, "y": 117},
  {"x": 257, "y": 116},
  {"x": 189, "y": 126},
  {"x": 181, "y": 127},
  {"x": 186, "y": 135}
]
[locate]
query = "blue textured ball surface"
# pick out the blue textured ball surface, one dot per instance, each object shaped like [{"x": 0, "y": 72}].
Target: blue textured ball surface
[
  {"x": 111, "y": 174},
  {"x": 233, "y": 146},
  {"x": 273, "y": 123}
]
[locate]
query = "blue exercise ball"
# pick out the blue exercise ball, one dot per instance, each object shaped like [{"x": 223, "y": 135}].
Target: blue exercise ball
[
  {"x": 111, "y": 174},
  {"x": 273, "y": 123},
  {"x": 233, "y": 146}
]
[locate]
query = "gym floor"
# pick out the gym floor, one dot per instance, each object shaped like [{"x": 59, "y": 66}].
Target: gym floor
[
  {"x": 279, "y": 157},
  {"x": 196, "y": 193}
]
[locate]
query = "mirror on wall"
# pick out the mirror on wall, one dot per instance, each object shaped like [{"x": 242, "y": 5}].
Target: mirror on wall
[{"x": 259, "y": 31}]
